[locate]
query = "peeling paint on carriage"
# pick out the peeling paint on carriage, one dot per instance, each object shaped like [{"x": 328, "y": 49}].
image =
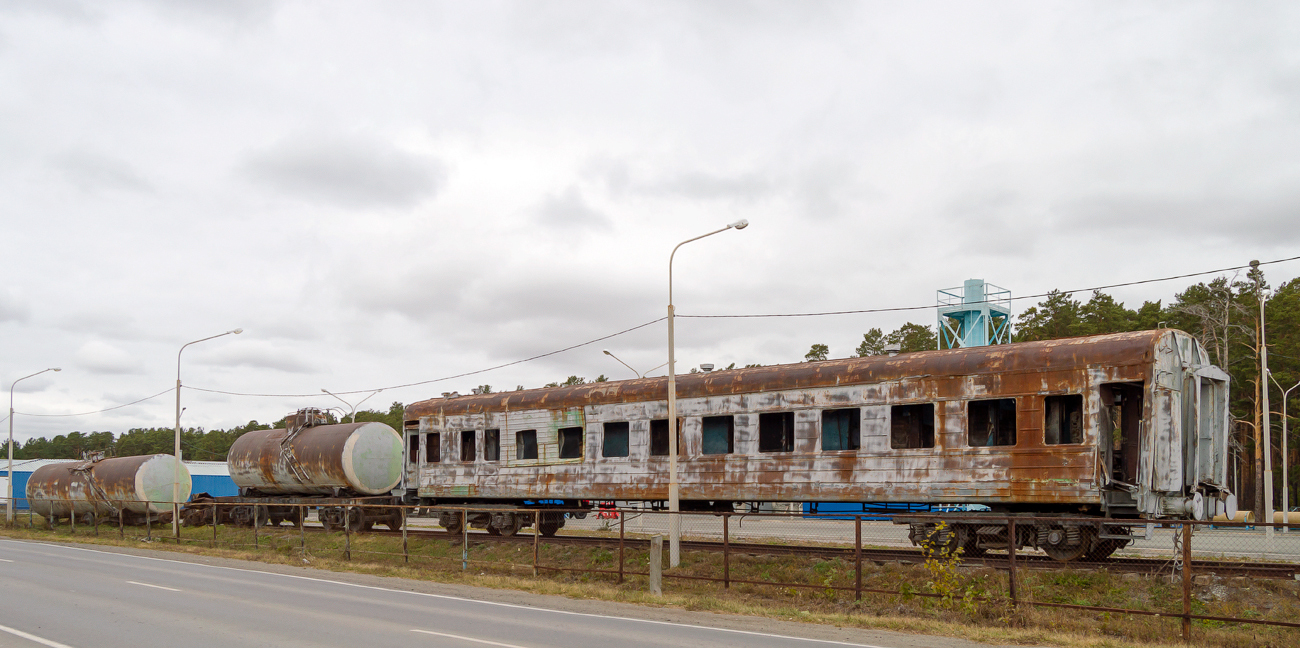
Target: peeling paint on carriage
[{"x": 1033, "y": 474}]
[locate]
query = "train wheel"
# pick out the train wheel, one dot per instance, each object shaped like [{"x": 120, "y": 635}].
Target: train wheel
[
  {"x": 1104, "y": 548},
  {"x": 242, "y": 516},
  {"x": 551, "y": 523},
  {"x": 323, "y": 514},
  {"x": 971, "y": 542},
  {"x": 943, "y": 540},
  {"x": 394, "y": 522},
  {"x": 451, "y": 521},
  {"x": 512, "y": 525},
  {"x": 1058, "y": 547}
]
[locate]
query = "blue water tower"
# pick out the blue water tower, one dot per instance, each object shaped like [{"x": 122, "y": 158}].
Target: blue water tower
[{"x": 974, "y": 314}]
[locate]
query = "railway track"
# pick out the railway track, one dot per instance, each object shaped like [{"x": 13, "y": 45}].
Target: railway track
[{"x": 1284, "y": 571}]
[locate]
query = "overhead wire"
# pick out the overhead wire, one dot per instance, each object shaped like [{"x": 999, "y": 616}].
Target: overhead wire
[
  {"x": 1036, "y": 296},
  {"x": 656, "y": 321},
  {"x": 444, "y": 378},
  {"x": 106, "y": 409}
]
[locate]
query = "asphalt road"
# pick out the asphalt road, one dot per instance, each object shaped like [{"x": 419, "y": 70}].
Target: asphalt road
[{"x": 65, "y": 596}]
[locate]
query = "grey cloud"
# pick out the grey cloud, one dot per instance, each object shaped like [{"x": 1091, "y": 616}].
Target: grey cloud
[
  {"x": 1262, "y": 220},
  {"x": 992, "y": 222},
  {"x": 102, "y": 358},
  {"x": 259, "y": 355},
  {"x": 570, "y": 210},
  {"x": 351, "y": 172},
  {"x": 12, "y": 307},
  {"x": 236, "y": 12},
  {"x": 92, "y": 172},
  {"x": 699, "y": 185}
]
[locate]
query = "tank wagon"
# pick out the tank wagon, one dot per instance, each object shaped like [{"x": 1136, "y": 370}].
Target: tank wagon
[
  {"x": 1130, "y": 425},
  {"x": 311, "y": 462},
  {"x": 134, "y": 487}
]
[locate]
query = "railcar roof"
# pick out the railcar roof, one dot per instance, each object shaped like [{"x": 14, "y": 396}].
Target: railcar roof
[{"x": 1115, "y": 350}]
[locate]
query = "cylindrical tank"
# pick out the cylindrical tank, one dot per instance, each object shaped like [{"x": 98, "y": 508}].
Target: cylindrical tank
[
  {"x": 365, "y": 458},
  {"x": 137, "y": 484}
]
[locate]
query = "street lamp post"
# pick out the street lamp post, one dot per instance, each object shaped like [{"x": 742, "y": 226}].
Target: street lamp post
[
  {"x": 1286, "y": 486},
  {"x": 353, "y": 413},
  {"x": 629, "y": 367},
  {"x": 176, "y": 477},
  {"x": 1265, "y": 428},
  {"x": 9, "y": 488},
  {"x": 674, "y": 503}
]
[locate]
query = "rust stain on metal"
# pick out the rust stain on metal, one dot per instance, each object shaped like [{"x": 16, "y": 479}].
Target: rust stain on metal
[
  {"x": 311, "y": 458},
  {"x": 1068, "y": 476}
]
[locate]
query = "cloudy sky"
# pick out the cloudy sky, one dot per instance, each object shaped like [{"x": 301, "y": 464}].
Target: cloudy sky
[{"x": 384, "y": 193}]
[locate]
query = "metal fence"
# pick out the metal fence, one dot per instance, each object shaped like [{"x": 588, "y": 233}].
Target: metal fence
[{"x": 1207, "y": 572}]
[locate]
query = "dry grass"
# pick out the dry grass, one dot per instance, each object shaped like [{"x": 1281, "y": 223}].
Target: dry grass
[{"x": 982, "y": 615}]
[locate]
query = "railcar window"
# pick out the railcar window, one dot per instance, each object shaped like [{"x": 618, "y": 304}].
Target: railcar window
[
  {"x": 719, "y": 435},
  {"x": 776, "y": 432},
  {"x": 413, "y": 448},
  {"x": 615, "y": 443},
  {"x": 991, "y": 422},
  {"x": 467, "y": 445},
  {"x": 1064, "y": 422},
  {"x": 526, "y": 444},
  {"x": 491, "y": 445},
  {"x": 432, "y": 447},
  {"x": 570, "y": 439},
  {"x": 911, "y": 426},
  {"x": 841, "y": 429},
  {"x": 659, "y": 438}
]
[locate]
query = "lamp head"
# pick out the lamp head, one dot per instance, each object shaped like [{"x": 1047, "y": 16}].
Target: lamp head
[
  {"x": 237, "y": 331},
  {"x": 606, "y": 352},
  {"x": 740, "y": 224},
  {"x": 55, "y": 369}
]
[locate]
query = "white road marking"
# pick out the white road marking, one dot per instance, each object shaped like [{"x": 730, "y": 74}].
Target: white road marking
[
  {"x": 464, "y": 638},
  {"x": 5, "y": 560},
  {"x": 31, "y": 637},
  {"x": 169, "y": 589},
  {"x": 446, "y": 597}
]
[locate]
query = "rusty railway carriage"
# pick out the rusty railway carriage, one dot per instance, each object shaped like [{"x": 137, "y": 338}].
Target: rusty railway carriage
[{"x": 1131, "y": 425}]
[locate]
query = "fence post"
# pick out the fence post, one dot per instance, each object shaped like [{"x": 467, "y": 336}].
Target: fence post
[
  {"x": 1187, "y": 582},
  {"x": 302, "y": 529},
  {"x": 726, "y": 551},
  {"x": 72, "y": 517},
  {"x": 657, "y": 565},
  {"x": 1011, "y": 560},
  {"x": 176, "y": 521},
  {"x": 148, "y": 522},
  {"x": 464, "y": 539},
  {"x": 51, "y": 518},
  {"x": 621, "y": 519},
  {"x": 406, "y": 554},
  {"x": 121, "y": 523},
  {"x": 857, "y": 557},
  {"x": 95, "y": 519},
  {"x": 216, "y": 515},
  {"x": 347, "y": 533},
  {"x": 537, "y": 536},
  {"x": 255, "y": 512}
]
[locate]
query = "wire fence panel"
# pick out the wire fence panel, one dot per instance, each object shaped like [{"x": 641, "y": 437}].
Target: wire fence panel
[{"x": 1197, "y": 576}]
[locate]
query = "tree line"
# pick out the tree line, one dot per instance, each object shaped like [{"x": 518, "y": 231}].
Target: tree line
[{"x": 197, "y": 444}]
